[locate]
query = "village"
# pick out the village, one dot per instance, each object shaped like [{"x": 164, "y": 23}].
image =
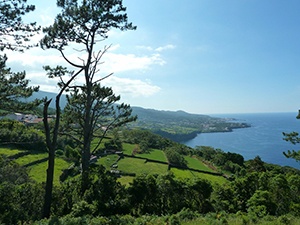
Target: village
[{"x": 27, "y": 119}]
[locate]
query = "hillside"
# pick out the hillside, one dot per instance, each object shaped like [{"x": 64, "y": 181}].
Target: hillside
[
  {"x": 176, "y": 125},
  {"x": 135, "y": 181},
  {"x": 181, "y": 126}
]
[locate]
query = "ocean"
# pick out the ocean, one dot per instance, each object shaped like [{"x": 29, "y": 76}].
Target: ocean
[{"x": 264, "y": 138}]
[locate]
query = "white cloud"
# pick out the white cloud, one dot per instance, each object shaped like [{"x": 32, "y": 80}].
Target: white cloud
[
  {"x": 113, "y": 62},
  {"x": 166, "y": 47},
  {"x": 134, "y": 88},
  {"x": 142, "y": 47},
  {"x": 41, "y": 80},
  {"x": 158, "y": 49},
  {"x": 114, "y": 47},
  {"x": 127, "y": 62}
]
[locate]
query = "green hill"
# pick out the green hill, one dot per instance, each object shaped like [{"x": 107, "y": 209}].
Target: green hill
[
  {"x": 181, "y": 126},
  {"x": 176, "y": 125}
]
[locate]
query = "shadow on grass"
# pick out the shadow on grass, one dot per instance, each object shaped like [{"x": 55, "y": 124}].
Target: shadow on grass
[
  {"x": 36, "y": 162},
  {"x": 175, "y": 166},
  {"x": 19, "y": 155}
]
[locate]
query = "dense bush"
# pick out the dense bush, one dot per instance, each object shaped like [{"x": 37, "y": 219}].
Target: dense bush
[
  {"x": 17, "y": 134},
  {"x": 164, "y": 194},
  {"x": 21, "y": 198},
  {"x": 175, "y": 158}
]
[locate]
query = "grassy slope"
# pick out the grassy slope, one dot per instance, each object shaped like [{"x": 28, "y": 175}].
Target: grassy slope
[
  {"x": 155, "y": 154},
  {"x": 128, "y": 165},
  {"x": 30, "y": 158},
  {"x": 138, "y": 166},
  {"x": 128, "y": 148},
  {"x": 8, "y": 151},
  {"x": 189, "y": 174},
  {"x": 37, "y": 171},
  {"x": 194, "y": 163}
]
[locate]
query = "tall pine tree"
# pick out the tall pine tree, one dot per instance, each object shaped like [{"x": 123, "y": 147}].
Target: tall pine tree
[{"x": 81, "y": 25}]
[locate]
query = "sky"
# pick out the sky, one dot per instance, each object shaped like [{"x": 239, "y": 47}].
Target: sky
[{"x": 200, "y": 56}]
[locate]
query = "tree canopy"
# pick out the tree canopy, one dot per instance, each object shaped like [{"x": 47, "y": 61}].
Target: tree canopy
[
  {"x": 14, "y": 33},
  {"x": 293, "y": 138},
  {"x": 14, "y": 88}
]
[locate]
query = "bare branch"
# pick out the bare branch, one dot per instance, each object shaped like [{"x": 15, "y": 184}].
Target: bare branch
[
  {"x": 71, "y": 136},
  {"x": 73, "y": 64},
  {"x": 103, "y": 78}
]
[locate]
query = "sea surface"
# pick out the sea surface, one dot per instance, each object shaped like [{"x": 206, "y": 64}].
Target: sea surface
[{"x": 264, "y": 138}]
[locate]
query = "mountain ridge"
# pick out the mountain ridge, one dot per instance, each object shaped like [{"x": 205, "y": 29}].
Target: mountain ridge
[{"x": 177, "y": 125}]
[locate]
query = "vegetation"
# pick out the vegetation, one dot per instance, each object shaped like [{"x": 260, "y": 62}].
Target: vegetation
[
  {"x": 16, "y": 134},
  {"x": 106, "y": 174},
  {"x": 293, "y": 138},
  {"x": 184, "y": 217},
  {"x": 181, "y": 126},
  {"x": 255, "y": 193},
  {"x": 15, "y": 35}
]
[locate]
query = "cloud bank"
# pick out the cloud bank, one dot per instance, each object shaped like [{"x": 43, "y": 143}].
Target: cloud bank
[{"x": 122, "y": 64}]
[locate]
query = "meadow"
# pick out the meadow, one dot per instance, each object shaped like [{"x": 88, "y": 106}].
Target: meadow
[{"x": 131, "y": 167}]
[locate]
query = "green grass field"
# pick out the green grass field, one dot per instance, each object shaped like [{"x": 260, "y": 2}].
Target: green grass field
[
  {"x": 30, "y": 158},
  {"x": 195, "y": 163},
  {"x": 154, "y": 154},
  {"x": 128, "y": 148},
  {"x": 38, "y": 171},
  {"x": 127, "y": 165},
  {"x": 9, "y": 152},
  {"x": 190, "y": 174},
  {"x": 107, "y": 161},
  {"x": 138, "y": 166}
]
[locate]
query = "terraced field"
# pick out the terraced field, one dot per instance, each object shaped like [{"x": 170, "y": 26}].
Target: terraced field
[{"x": 37, "y": 164}]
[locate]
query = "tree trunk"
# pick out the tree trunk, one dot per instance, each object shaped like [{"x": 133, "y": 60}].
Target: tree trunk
[
  {"x": 50, "y": 169},
  {"x": 85, "y": 169},
  {"x": 49, "y": 184},
  {"x": 86, "y": 151},
  {"x": 51, "y": 145}
]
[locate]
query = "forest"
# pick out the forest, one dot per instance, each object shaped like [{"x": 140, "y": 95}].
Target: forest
[{"x": 84, "y": 164}]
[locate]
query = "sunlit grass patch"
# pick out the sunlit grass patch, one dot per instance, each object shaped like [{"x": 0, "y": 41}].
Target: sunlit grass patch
[
  {"x": 108, "y": 160},
  {"x": 125, "y": 180},
  {"x": 128, "y": 148},
  {"x": 155, "y": 155},
  {"x": 190, "y": 174},
  {"x": 38, "y": 171},
  {"x": 195, "y": 163},
  {"x": 9, "y": 152},
  {"x": 31, "y": 158},
  {"x": 95, "y": 143},
  {"x": 138, "y": 166}
]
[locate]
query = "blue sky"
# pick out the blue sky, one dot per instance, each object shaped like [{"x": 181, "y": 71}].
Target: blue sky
[{"x": 200, "y": 56}]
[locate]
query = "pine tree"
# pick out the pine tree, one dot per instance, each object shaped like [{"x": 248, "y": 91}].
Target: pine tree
[
  {"x": 83, "y": 24},
  {"x": 15, "y": 35}
]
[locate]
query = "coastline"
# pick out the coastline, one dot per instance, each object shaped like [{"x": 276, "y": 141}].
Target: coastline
[
  {"x": 264, "y": 138},
  {"x": 184, "y": 137}
]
